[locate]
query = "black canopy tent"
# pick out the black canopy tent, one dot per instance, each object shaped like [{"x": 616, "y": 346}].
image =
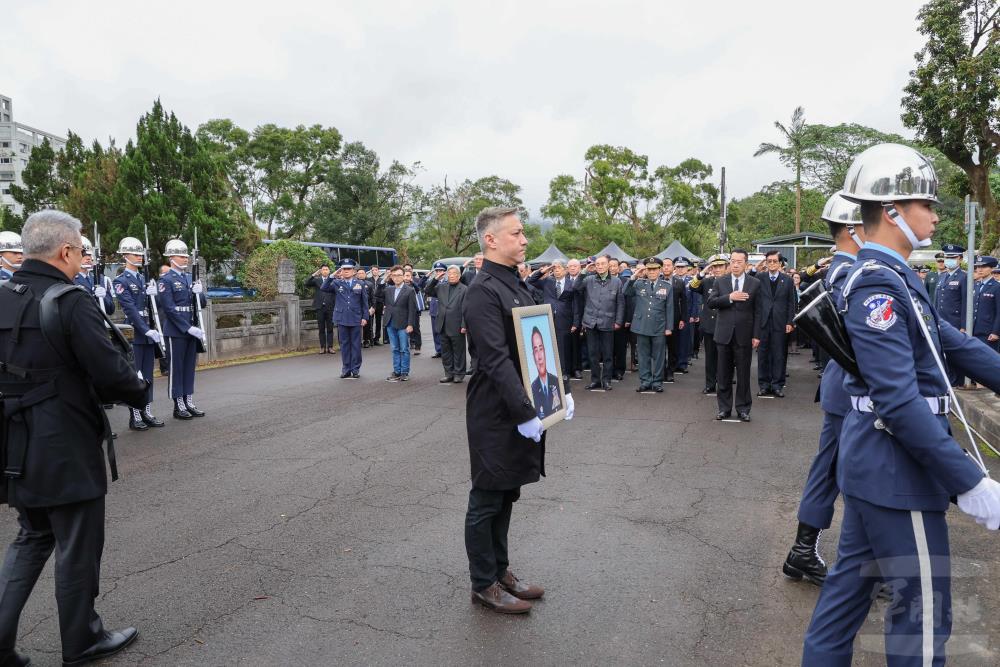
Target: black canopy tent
[
  {"x": 615, "y": 252},
  {"x": 551, "y": 254},
  {"x": 675, "y": 250}
]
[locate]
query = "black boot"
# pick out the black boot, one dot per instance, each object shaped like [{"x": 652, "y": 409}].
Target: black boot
[
  {"x": 180, "y": 410},
  {"x": 192, "y": 408},
  {"x": 135, "y": 421},
  {"x": 803, "y": 560},
  {"x": 147, "y": 416}
]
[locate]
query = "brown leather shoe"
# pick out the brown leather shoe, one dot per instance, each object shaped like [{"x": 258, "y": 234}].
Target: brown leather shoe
[
  {"x": 518, "y": 588},
  {"x": 499, "y": 600}
]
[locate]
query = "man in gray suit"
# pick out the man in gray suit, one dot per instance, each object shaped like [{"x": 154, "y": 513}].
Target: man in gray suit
[{"x": 449, "y": 323}]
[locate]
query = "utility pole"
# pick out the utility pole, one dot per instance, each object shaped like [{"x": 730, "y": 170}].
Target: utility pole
[
  {"x": 722, "y": 214},
  {"x": 971, "y": 214}
]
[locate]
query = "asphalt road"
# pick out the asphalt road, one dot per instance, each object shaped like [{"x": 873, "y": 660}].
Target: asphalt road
[{"x": 309, "y": 520}]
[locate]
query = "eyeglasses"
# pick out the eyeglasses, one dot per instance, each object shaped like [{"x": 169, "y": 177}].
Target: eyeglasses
[{"x": 76, "y": 247}]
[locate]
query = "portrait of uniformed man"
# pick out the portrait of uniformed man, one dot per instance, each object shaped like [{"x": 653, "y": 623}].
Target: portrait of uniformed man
[{"x": 545, "y": 388}]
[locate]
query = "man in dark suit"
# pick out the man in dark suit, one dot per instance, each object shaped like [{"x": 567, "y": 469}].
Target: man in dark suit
[
  {"x": 400, "y": 317},
  {"x": 556, "y": 287},
  {"x": 775, "y": 310},
  {"x": 680, "y": 319},
  {"x": 469, "y": 272},
  {"x": 449, "y": 325},
  {"x": 704, "y": 284},
  {"x": 735, "y": 298},
  {"x": 545, "y": 388},
  {"x": 323, "y": 303}
]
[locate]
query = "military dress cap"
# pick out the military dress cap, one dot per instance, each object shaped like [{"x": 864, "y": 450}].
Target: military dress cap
[
  {"x": 347, "y": 263},
  {"x": 681, "y": 262},
  {"x": 652, "y": 263},
  {"x": 939, "y": 256},
  {"x": 718, "y": 260},
  {"x": 439, "y": 266},
  {"x": 10, "y": 242},
  {"x": 996, "y": 269},
  {"x": 952, "y": 250},
  {"x": 923, "y": 268},
  {"x": 986, "y": 260}
]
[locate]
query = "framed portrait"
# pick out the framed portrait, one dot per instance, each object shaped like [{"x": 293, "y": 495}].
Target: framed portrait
[{"x": 538, "y": 353}]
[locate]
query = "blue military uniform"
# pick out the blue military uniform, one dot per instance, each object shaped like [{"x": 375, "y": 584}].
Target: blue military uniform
[
  {"x": 351, "y": 307},
  {"x": 131, "y": 290},
  {"x": 950, "y": 299},
  {"x": 684, "y": 336},
  {"x": 432, "y": 304},
  {"x": 986, "y": 306},
  {"x": 175, "y": 300},
  {"x": 896, "y": 470},
  {"x": 86, "y": 280},
  {"x": 820, "y": 492},
  {"x": 5, "y": 274}
]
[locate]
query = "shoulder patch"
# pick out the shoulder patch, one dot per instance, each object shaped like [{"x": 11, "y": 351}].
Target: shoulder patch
[
  {"x": 119, "y": 288},
  {"x": 162, "y": 286},
  {"x": 881, "y": 315}
]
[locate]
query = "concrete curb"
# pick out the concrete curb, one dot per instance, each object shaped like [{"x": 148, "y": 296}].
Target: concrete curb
[{"x": 982, "y": 409}]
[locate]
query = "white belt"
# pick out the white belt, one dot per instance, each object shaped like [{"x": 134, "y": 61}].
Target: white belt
[
  {"x": 183, "y": 309},
  {"x": 939, "y": 405}
]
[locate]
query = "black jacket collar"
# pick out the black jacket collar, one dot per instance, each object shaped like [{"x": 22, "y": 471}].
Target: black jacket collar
[
  {"x": 36, "y": 267},
  {"x": 506, "y": 274}
]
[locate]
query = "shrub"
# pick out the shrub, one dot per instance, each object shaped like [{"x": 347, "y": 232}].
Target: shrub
[{"x": 260, "y": 271}]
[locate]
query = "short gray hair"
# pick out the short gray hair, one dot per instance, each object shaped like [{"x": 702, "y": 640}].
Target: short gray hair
[
  {"x": 489, "y": 218},
  {"x": 559, "y": 262},
  {"x": 455, "y": 267},
  {"x": 45, "y": 232}
]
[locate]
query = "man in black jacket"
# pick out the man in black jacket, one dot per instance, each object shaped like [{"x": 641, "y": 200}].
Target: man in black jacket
[
  {"x": 704, "y": 284},
  {"x": 736, "y": 335},
  {"x": 556, "y": 287},
  {"x": 400, "y": 319},
  {"x": 449, "y": 324},
  {"x": 323, "y": 303},
  {"x": 56, "y": 376},
  {"x": 506, "y": 438},
  {"x": 775, "y": 310}
]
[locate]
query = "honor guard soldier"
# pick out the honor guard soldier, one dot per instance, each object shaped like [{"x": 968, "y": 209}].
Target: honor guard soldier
[
  {"x": 175, "y": 297},
  {"x": 95, "y": 285},
  {"x": 350, "y": 314},
  {"x": 11, "y": 254},
  {"x": 134, "y": 296},
  {"x": 986, "y": 304},
  {"x": 652, "y": 321},
  {"x": 820, "y": 492},
  {"x": 897, "y": 464},
  {"x": 950, "y": 296}
]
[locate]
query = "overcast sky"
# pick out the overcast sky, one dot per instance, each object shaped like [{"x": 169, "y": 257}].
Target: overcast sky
[{"x": 470, "y": 89}]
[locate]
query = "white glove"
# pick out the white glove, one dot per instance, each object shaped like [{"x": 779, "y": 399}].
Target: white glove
[
  {"x": 100, "y": 292},
  {"x": 570, "y": 407},
  {"x": 197, "y": 288},
  {"x": 151, "y": 288},
  {"x": 982, "y": 503},
  {"x": 532, "y": 429},
  {"x": 196, "y": 332},
  {"x": 154, "y": 335}
]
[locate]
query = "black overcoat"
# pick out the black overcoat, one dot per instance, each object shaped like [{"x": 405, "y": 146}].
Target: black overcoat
[{"x": 496, "y": 401}]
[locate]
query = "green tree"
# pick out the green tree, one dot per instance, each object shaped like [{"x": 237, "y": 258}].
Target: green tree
[
  {"x": 952, "y": 100},
  {"x": 771, "y": 212},
  {"x": 791, "y": 154},
  {"x": 42, "y": 187},
  {"x": 362, "y": 205},
  {"x": 830, "y": 150},
  {"x": 260, "y": 271},
  {"x": 171, "y": 182}
]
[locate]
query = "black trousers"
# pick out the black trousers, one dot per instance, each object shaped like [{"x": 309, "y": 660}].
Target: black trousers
[
  {"x": 378, "y": 333},
  {"x": 574, "y": 352},
  {"x": 730, "y": 356},
  {"x": 711, "y": 361},
  {"x": 696, "y": 338},
  {"x": 76, "y": 532},
  {"x": 415, "y": 338},
  {"x": 324, "y": 320},
  {"x": 771, "y": 359},
  {"x": 487, "y": 522},
  {"x": 619, "y": 350},
  {"x": 563, "y": 342},
  {"x": 633, "y": 349},
  {"x": 368, "y": 331},
  {"x": 599, "y": 347},
  {"x": 673, "y": 360},
  {"x": 453, "y": 354}
]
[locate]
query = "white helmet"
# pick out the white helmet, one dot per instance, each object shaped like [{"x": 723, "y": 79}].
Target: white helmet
[
  {"x": 176, "y": 248},
  {"x": 131, "y": 246},
  {"x": 890, "y": 172},
  {"x": 841, "y": 211},
  {"x": 88, "y": 247},
  {"x": 10, "y": 242}
]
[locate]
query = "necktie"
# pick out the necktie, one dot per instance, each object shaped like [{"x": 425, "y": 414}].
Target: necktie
[{"x": 559, "y": 288}]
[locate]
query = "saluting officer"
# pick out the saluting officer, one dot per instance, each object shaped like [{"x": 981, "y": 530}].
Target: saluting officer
[
  {"x": 350, "y": 314},
  {"x": 11, "y": 254},
  {"x": 652, "y": 321},
  {"x": 95, "y": 285},
  {"x": 703, "y": 284},
  {"x": 175, "y": 298},
  {"x": 897, "y": 469},
  {"x": 132, "y": 292},
  {"x": 986, "y": 302},
  {"x": 950, "y": 297},
  {"x": 820, "y": 493}
]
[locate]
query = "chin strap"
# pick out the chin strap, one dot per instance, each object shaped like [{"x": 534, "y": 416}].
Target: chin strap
[
  {"x": 854, "y": 236},
  {"x": 897, "y": 217}
]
